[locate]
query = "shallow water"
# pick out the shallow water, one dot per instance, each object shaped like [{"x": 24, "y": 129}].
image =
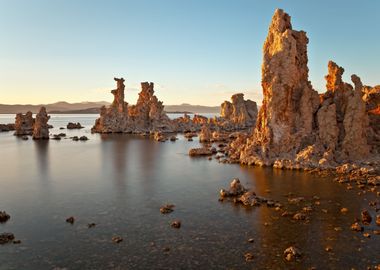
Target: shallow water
[{"x": 120, "y": 181}]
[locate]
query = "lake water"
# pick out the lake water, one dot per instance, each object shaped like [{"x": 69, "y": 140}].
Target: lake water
[{"x": 120, "y": 181}]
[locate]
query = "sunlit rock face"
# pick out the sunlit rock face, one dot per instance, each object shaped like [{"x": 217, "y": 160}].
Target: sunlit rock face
[
  {"x": 239, "y": 113},
  {"x": 146, "y": 116},
  {"x": 41, "y": 127},
  {"x": 285, "y": 121},
  {"x": 297, "y": 128},
  {"x": 115, "y": 117},
  {"x": 24, "y": 124}
]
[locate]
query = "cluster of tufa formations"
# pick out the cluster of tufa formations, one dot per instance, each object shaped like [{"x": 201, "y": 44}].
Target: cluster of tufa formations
[
  {"x": 25, "y": 124},
  {"x": 296, "y": 127},
  {"x": 148, "y": 115}
]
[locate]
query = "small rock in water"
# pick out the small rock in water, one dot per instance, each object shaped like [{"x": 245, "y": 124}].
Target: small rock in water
[
  {"x": 248, "y": 256},
  {"x": 25, "y": 138},
  {"x": 292, "y": 253},
  {"x": 83, "y": 138},
  {"x": 328, "y": 248},
  {"x": 367, "y": 235},
  {"x": 16, "y": 242},
  {"x": 366, "y": 217},
  {"x": 6, "y": 238},
  {"x": 356, "y": 227},
  {"x": 4, "y": 217},
  {"x": 75, "y": 138},
  {"x": 173, "y": 138},
  {"x": 251, "y": 240},
  {"x": 91, "y": 225},
  {"x": 176, "y": 224},
  {"x": 117, "y": 239},
  {"x": 344, "y": 210},
  {"x": 166, "y": 249},
  {"x": 299, "y": 216},
  {"x": 166, "y": 209},
  {"x": 70, "y": 220}
]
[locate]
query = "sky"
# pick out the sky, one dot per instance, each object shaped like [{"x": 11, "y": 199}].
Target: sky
[{"x": 195, "y": 51}]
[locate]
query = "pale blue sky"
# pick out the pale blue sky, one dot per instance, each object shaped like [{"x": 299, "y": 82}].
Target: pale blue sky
[{"x": 196, "y": 51}]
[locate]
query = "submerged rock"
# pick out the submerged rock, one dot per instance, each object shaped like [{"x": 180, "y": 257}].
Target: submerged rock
[
  {"x": 166, "y": 209},
  {"x": 366, "y": 217},
  {"x": 6, "y": 238},
  {"x": 117, "y": 239},
  {"x": 71, "y": 125},
  {"x": 70, "y": 220},
  {"x": 357, "y": 227},
  {"x": 4, "y": 216},
  {"x": 200, "y": 152},
  {"x": 176, "y": 224},
  {"x": 292, "y": 253}
]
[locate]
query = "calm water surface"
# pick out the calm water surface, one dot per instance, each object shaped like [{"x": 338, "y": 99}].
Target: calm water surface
[{"x": 119, "y": 182}]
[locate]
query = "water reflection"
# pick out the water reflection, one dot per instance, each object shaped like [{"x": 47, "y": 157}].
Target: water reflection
[{"x": 42, "y": 159}]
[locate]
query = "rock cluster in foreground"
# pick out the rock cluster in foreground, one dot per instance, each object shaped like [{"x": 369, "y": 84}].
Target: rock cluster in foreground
[{"x": 296, "y": 127}]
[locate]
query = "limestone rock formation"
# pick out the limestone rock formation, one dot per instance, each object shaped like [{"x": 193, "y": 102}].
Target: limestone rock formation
[
  {"x": 147, "y": 115},
  {"x": 115, "y": 118},
  {"x": 299, "y": 129},
  {"x": 24, "y": 124},
  {"x": 41, "y": 127},
  {"x": 205, "y": 135},
  {"x": 355, "y": 124},
  {"x": 285, "y": 121},
  {"x": 239, "y": 113}
]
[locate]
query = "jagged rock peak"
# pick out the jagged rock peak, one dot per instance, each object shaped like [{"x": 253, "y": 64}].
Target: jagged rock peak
[
  {"x": 280, "y": 21},
  {"x": 334, "y": 77},
  {"x": 41, "y": 127},
  {"x": 118, "y": 93}
]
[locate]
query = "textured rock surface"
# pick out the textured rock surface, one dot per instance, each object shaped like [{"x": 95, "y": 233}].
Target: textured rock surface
[
  {"x": 146, "y": 116},
  {"x": 41, "y": 127},
  {"x": 299, "y": 129},
  {"x": 7, "y": 127},
  {"x": 285, "y": 120},
  {"x": 115, "y": 118},
  {"x": 205, "y": 135},
  {"x": 24, "y": 124},
  {"x": 239, "y": 113}
]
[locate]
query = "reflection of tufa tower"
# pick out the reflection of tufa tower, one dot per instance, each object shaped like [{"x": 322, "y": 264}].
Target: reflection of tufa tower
[{"x": 118, "y": 93}]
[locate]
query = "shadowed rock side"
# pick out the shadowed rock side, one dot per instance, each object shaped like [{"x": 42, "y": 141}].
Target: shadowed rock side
[
  {"x": 298, "y": 129},
  {"x": 41, "y": 127},
  {"x": 146, "y": 116}
]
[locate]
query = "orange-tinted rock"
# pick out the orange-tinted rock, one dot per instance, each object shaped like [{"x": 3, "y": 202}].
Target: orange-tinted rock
[
  {"x": 24, "y": 124},
  {"x": 285, "y": 120},
  {"x": 41, "y": 127},
  {"x": 239, "y": 113}
]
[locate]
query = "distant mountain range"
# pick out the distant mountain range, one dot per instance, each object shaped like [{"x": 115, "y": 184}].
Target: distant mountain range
[{"x": 94, "y": 107}]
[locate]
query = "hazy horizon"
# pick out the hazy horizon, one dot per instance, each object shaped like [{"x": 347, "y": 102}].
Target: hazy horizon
[{"x": 195, "y": 52}]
